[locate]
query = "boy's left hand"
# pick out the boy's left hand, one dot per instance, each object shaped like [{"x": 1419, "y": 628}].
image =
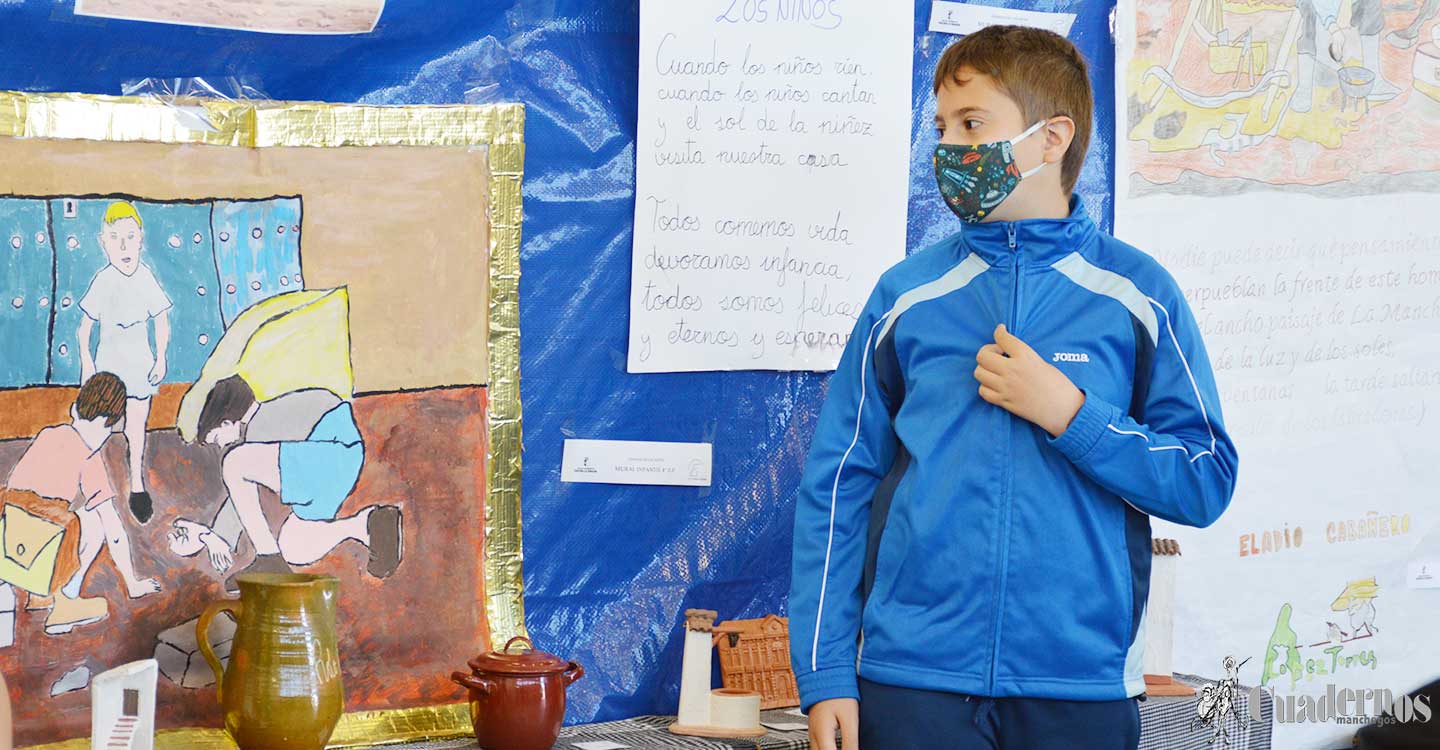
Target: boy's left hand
[
  {"x": 157, "y": 373},
  {"x": 1014, "y": 377}
]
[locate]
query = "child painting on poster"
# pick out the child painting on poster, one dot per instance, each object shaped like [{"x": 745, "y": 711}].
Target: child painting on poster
[
  {"x": 60, "y": 487},
  {"x": 123, "y": 298},
  {"x": 305, "y": 447}
]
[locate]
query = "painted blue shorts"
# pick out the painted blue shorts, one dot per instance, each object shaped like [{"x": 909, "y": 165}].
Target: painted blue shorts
[{"x": 317, "y": 474}]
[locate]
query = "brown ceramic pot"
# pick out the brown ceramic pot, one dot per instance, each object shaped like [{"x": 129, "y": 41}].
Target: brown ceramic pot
[
  {"x": 517, "y": 700},
  {"x": 282, "y": 688}
]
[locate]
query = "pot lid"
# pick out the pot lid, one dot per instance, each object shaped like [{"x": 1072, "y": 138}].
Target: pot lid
[{"x": 515, "y": 659}]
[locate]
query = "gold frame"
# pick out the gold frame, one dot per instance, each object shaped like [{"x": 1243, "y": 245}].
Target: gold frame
[{"x": 499, "y": 127}]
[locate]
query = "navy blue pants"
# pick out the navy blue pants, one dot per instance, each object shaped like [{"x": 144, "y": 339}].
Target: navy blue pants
[{"x": 895, "y": 718}]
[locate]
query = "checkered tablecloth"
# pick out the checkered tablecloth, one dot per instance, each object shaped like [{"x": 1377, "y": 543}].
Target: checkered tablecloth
[
  {"x": 1165, "y": 724},
  {"x": 650, "y": 733},
  {"x": 646, "y": 732}
]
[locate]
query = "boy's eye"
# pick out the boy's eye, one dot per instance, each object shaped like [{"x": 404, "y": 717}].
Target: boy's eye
[{"x": 972, "y": 124}]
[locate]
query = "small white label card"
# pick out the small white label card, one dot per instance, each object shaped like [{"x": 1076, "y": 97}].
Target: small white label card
[
  {"x": 600, "y": 745},
  {"x": 964, "y": 18},
  {"x": 1424, "y": 574},
  {"x": 636, "y": 462}
]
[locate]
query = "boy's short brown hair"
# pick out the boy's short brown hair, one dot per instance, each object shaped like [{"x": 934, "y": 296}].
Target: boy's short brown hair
[
  {"x": 1040, "y": 70},
  {"x": 103, "y": 395},
  {"x": 226, "y": 402}
]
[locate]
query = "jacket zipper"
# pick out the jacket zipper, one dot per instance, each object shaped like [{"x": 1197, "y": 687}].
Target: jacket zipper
[{"x": 1017, "y": 267}]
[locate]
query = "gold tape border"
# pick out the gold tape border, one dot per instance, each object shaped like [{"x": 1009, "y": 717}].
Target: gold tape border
[
  {"x": 501, "y": 128},
  {"x": 361, "y": 729}
]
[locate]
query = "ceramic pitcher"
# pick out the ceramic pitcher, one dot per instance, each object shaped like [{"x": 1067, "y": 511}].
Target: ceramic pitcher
[{"x": 282, "y": 688}]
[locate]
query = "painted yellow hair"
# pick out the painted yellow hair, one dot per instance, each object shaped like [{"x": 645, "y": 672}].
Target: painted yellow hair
[{"x": 122, "y": 210}]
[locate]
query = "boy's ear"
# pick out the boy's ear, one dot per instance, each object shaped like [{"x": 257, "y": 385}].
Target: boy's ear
[{"x": 1059, "y": 132}]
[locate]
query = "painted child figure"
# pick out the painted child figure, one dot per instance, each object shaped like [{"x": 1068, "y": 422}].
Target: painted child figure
[
  {"x": 972, "y": 529},
  {"x": 305, "y": 447},
  {"x": 122, "y": 299},
  {"x": 61, "y": 480}
]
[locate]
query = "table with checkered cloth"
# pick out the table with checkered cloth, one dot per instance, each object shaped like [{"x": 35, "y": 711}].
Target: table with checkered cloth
[
  {"x": 650, "y": 733},
  {"x": 1165, "y": 724}
]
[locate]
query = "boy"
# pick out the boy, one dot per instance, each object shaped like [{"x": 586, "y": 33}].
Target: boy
[
  {"x": 972, "y": 533},
  {"x": 304, "y": 446},
  {"x": 61, "y": 485},
  {"x": 123, "y": 297}
]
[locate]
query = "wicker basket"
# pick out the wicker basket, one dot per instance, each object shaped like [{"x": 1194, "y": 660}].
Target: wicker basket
[{"x": 755, "y": 655}]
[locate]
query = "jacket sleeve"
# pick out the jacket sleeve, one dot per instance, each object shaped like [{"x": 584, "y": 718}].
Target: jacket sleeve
[
  {"x": 852, "y": 450},
  {"x": 1180, "y": 464}
]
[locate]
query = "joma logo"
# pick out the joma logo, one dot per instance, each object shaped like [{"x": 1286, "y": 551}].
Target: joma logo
[{"x": 1071, "y": 357}]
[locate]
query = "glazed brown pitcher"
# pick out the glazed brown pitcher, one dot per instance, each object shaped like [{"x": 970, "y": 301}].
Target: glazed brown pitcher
[{"x": 282, "y": 688}]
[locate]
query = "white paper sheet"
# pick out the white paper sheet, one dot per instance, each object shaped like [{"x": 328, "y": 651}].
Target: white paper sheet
[
  {"x": 1423, "y": 574},
  {"x": 1301, "y": 223},
  {"x": 964, "y": 18},
  {"x": 771, "y": 183},
  {"x": 636, "y": 462},
  {"x": 270, "y": 16}
]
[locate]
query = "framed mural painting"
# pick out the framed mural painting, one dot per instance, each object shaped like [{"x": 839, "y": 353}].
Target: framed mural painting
[{"x": 256, "y": 336}]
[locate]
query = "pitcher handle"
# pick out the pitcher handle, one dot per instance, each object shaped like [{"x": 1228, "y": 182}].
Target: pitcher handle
[
  {"x": 202, "y": 636},
  {"x": 573, "y": 673}
]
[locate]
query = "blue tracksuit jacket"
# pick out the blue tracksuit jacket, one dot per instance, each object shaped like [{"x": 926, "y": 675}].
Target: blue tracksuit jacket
[{"x": 942, "y": 543}]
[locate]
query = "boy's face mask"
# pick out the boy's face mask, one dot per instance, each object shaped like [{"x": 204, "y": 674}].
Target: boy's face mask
[{"x": 976, "y": 179}]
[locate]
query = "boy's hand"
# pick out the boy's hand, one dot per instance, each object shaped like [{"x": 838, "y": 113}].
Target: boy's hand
[
  {"x": 219, "y": 552},
  {"x": 1015, "y": 378},
  {"x": 826, "y": 717},
  {"x": 157, "y": 373}
]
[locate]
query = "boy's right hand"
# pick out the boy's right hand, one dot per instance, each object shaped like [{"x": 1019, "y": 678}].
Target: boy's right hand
[{"x": 828, "y": 716}]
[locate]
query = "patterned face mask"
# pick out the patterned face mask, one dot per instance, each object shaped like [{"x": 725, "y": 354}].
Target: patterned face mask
[{"x": 976, "y": 179}]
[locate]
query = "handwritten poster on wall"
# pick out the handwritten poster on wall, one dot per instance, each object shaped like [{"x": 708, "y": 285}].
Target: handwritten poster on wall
[
  {"x": 1287, "y": 175},
  {"x": 771, "y": 188}
]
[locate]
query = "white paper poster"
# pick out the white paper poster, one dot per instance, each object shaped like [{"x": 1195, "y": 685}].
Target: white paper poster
[
  {"x": 771, "y": 178},
  {"x": 270, "y": 16},
  {"x": 1288, "y": 175}
]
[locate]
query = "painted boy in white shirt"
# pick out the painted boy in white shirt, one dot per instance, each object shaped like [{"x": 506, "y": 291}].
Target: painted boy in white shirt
[{"x": 123, "y": 298}]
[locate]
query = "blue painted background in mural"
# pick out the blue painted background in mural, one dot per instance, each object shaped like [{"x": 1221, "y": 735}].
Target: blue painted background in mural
[
  {"x": 257, "y": 249},
  {"x": 26, "y": 265}
]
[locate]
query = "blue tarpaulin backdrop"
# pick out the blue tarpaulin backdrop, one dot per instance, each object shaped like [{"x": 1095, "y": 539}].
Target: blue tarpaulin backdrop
[{"x": 608, "y": 570}]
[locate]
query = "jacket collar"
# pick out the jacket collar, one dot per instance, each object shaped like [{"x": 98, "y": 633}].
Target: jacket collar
[{"x": 1042, "y": 241}]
